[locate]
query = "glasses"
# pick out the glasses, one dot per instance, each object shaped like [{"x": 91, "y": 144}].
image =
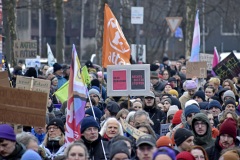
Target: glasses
[
  {"x": 52, "y": 128},
  {"x": 197, "y": 124}
]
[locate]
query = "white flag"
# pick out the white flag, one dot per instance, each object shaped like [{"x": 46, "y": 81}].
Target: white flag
[{"x": 51, "y": 59}]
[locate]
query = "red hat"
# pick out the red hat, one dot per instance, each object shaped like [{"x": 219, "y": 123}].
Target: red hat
[
  {"x": 164, "y": 141},
  {"x": 185, "y": 156},
  {"x": 229, "y": 127},
  {"x": 169, "y": 84},
  {"x": 177, "y": 117}
]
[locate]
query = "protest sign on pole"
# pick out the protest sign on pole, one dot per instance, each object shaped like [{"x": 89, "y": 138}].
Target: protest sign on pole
[
  {"x": 124, "y": 80},
  {"x": 196, "y": 69}
]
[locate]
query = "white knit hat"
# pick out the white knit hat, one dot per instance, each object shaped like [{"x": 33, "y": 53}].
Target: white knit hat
[{"x": 172, "y": 110}]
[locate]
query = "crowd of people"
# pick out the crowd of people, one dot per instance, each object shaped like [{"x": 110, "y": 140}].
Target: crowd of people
[{"x": 201, "y": 115}]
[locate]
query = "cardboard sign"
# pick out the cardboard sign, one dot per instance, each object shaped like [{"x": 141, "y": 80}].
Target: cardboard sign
[
  {"x": 119, "y": 80},
  {"x": 164, "y": 129},
  {"x": 131, "y": 130},
  {"x": 196, "y": 69},
  {"x": 25, "y": 49},
  {"x": 207, "y": 58},
  {"x": 33, "y": 84},
  {"x": 4, "y": 81},
  {"x": 23, "y": 107},
  {"x": 124, "y": 80},
  {"x": 228, "y": 67}
]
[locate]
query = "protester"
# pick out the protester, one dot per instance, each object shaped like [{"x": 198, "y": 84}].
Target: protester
[
  {"x": 10, "y": 149},
  {"x": 119, "y": 150},
  {"x": 185, "y": 156},
  {"x": 215, "y": 108},
  {"x": 58, "y": 72},
  {"x": 146, "y": 146},
  {"x": 137, "y": 105},
  {"x": 76, "y": 151},
  {"x": 164, "y": 153},
  {"x": 199, "y": 153},
  {"x": 31, "y": 155},
  {"x": 184, "y": 139}
]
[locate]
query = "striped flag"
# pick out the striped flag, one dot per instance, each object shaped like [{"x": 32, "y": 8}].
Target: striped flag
[
  {"x": 77, "y": 95},
  {"x": 196, "y": 41},
  {"x": 215, "y": 60}
]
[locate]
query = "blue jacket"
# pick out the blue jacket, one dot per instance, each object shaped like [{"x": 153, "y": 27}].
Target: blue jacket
[
  {"x": 40, "y": 137},
  {"x": 61, "y": 81}
]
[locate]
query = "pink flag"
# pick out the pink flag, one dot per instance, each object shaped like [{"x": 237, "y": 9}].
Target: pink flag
[
  {"x": 215, "y": 60},
  {"x": 77, "y": 95}
]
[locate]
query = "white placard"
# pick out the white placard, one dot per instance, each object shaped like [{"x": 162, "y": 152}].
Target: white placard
[{"x": 137, "y": 15}]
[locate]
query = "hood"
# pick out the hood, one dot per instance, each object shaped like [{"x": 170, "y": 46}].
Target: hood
[{"x": 205, "y": 139}]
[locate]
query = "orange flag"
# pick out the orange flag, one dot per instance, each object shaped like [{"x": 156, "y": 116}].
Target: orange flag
[{"x": 116, "y": 50}]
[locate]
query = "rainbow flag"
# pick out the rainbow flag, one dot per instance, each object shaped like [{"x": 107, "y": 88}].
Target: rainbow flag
[
  {"x": 196, "y": 41},
  {"x": 215, "y": 60},
  {"x": 77, "y": 95}
]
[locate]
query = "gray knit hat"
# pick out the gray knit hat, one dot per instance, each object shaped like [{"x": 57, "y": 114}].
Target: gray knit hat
[
  {"x": 228, "y": 93},
  {"x": 94, "y": 91}
]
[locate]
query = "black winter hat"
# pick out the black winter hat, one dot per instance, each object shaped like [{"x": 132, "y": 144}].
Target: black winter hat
[
  {"x": 89, "y": 122},
  {"x": 113, "y": 107},
  {"x": 154, "y": 67},
  {"x": 57, "y": 122},
  {"x": 165, "y": 59},
  {"x": 119, "y": 147},
  {"x": 200, "y": 94},
  {"x": 89, "y": 64},
  {"x": 56, "y": 67},
  {"x": 181, "y": 135}
]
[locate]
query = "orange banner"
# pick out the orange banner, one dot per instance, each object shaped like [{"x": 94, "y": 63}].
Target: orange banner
[{"x": 116, "y": 50}]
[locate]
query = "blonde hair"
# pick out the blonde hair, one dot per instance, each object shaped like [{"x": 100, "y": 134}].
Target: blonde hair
[
  {"x": 215, "y": 80},
  {"x": 121, "y": 112},
  {"x": 104, "y": 127}
]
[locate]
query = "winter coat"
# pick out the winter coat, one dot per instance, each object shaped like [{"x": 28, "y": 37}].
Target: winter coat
[
  {"x": 159, "y": 87},
  {"x": 184, "y": 98},
  {"x": 157, "y": 116},
  {"x": 214, "y": 151},
  {"x": 16, "y": 154},
  {"x": 54, "y": 151},
  {"x": 61, "y": 81},
  {"x": 94, "y": 148},
  {"x": 206, "y": 140}
]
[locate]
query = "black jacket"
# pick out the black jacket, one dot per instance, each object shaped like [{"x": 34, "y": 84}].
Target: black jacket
[
  {"x": 94, "y": 148},
  {"x": 16, "y": 154},
  {"x": 157, "y": 116}
]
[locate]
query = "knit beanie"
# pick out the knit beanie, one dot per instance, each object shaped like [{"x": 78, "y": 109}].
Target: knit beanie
[
  {"x": 177, "y": 117},
  {"x": 89, "y": 122},
  {"x": 97, "y": 111},
  {"x": 181, "y": 135},
  {"x": 191, "y": 109},
  {"x": 173, "y": 92},
  {"x": 31, "y": 155},
  {"x": 113, "y": 107},
  {"x": 203, "y": 105},
  {"x": 167, "y": 99},
  {"x": 165, "y": 59},
  {"x": 154, "y": 75},
  {"x": 165, "y": 151},
  {"x": 190, "y": 84},
  {"x": 94, "y": 91},
  {"x": 154, "y": 67},
  {"x": 57, "y": 122},
  {"x": 190, "y": 102},
  {"x": 229, "y": 127},
  {"x": 200, "y": 94},
  {"x": 185, "y": 156},
  {"x": 230, "y": 155},
  {"x": 228, "y": 93},
  {"x": 119, "y": 147},
  {"x": 172, "y": 110},
  {"x": 7, "y": 132},
  {"x": 229, "y": 101},
  {"x": 56, "y": 67},
  {"x": 164, "y": 141},
  {"x": 214, "y": 103},
  {"x": 168, "y": 84}
]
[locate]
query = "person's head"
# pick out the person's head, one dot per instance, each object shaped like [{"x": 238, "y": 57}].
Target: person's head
[
  {"x": 201, "y": 125},
  {"x": 183, "y": 70},
  {"x": 146, "y": 145},
  {"x": 76, "y": 151},
  {"x": 130, "y": 118},
  {"x": 214, "y": 82},
  {"x": 7, "y": 140},
  {"x": 230, "y": 105},
  {"x": 215, "y": 108},
  {"x": 127, "y": 140},
  {"x": 30, "y": 155},
  {"x": 90, "y": 129},
  {"x": 191, "y": 87},
  {"x": 183, "y": 139},
  {"x": 231, "y": 154},
  {"x": 173, "y": 93},
  {"x": 229, "y": 114},
  {"x": 111, "y": 128},
  {"x": 57, "y": 69},
  {"x": 166, "y": 104},
  {"x": 164, "y": 141},
  {"x": 199, "y": 96},
  {"x": 168, "y": 87},
  {"x": 141, "y": 117},
  {"x": 146, "y": 128},
  {"x": 185, "y": 155},
  {"x": 228, "y": 133},
  {"x": 199, "y": 153},
  {"x": 122, "y": 114},
  {"x": 177, "y": 117},
  {"x": 228, "y": 95},
  {"x": 94, "y": 94},
  {"x": 210, "y": 118},
  {"x": 44, "y": 69},
  {"x": 170, "y": 113},
  {"x": 149, "y": 100},
  {"x": 119, "y": 150},
  {"x": 97, "y": 112},
  {"x": 164, "y": 153},
  {"x": 173, "y": 81},
  {"x": 112, "y": 109},
  {"x": 54, "y": 81},
  {"x": 182, "y": 59},
  {"x": 154, "y": 77},
  {"x": 55, "y": 128},
  {"x": 190, "y": 111},
  {"x": 137, "y": 105},
  {"x": 166, "y": 74},
  {"x": 28, "y": 140},
  {"x": 228, "y": 83},
  {"x": 209, "y": 91}
]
